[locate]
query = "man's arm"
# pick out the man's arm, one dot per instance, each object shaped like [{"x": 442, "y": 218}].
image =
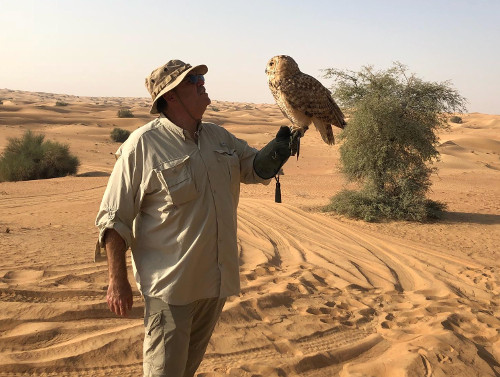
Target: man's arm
[{"x": 119, "y": 295}]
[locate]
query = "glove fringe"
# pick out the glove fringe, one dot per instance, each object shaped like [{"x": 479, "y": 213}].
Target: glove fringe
[{"x": 277, "y": 191}]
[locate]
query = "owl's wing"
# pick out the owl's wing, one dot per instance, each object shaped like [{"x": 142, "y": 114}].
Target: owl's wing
[{"x": 308, "y": 95}]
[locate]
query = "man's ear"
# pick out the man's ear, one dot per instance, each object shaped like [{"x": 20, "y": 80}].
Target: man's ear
[{"x": 169, "y": 96}]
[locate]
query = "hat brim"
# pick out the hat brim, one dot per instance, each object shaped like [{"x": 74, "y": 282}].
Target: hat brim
[{"x": 203, "y": 69}]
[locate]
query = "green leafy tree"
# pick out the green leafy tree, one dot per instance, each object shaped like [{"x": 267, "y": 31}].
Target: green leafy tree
[
  {"x": 390, "y": 141},
  {"x": 30, "y": 157}
]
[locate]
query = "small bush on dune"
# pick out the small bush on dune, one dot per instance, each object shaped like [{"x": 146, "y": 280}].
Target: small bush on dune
[
  {"x": 30, "y": 157},
  {"x": 119, "y": 135},
  {"x": 455, "y": 119},
  {"x": 57, "y": 161},
  {"x": 125, "y": 113},
  {"x": 61, "y": 103}
]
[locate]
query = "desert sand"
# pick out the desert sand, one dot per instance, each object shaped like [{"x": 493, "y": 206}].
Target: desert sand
[{"x": 322, "y": 295}]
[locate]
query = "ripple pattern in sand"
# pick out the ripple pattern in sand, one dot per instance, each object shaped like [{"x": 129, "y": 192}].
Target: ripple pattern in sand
[{"x": 316, "y": 296}]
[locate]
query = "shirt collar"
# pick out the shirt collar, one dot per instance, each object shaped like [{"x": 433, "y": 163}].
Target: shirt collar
[{"x": 167, "y": 123}]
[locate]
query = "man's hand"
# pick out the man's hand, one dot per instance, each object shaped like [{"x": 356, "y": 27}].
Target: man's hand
[{"x": 119, "y": 297}]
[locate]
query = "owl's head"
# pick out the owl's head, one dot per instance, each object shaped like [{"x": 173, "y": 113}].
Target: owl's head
[{"x": 281, "y": 66}]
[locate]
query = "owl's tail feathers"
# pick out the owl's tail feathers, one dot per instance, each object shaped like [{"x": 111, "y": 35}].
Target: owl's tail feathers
[
  {"x": 337, "y": 116},
  {"x": 328, "y": 135},
  {"x": 325, "y": 130}
]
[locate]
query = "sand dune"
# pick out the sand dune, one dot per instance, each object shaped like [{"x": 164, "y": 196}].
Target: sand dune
[{"x": 321, "y": 295}]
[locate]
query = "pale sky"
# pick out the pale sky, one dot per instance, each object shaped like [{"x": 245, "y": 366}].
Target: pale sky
[{"x": 107, "y": 48}]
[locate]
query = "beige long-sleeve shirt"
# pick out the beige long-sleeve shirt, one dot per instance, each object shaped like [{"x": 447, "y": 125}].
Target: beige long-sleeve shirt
[{"x": 174, "y": 203}]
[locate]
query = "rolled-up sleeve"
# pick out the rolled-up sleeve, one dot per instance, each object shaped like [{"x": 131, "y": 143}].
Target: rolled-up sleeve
[
  {"x": 246, "y": 155},
  {"x": 122, "y": 198}
]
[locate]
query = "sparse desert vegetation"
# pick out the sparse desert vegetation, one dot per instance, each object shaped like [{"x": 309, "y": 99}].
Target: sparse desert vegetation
[
  {"x": 455, "y": 119},
  {"x": 119, "y": 135},
  {"x": 125, "y": 113},
  {"x": 32, "y": 157}
]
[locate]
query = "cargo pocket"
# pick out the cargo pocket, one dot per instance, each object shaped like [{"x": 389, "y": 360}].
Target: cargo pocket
[
  {"x": 154, "y": 346},
  {"x": 176, "y": 178}
]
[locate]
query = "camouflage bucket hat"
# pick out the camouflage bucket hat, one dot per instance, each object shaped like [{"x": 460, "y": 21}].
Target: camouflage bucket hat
[{"x": 167, "y": 77}]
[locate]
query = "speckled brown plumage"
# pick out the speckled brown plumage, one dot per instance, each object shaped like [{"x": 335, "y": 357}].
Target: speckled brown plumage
[{"x": 302, "y": 98}]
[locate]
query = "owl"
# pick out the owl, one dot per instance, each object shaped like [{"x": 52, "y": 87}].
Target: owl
[{"x": 303, "y": 100}]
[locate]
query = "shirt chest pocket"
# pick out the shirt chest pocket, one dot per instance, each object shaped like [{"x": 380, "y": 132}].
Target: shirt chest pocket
[
  {"x": 176, "y": 179},
  {"x": 230, "y": 162}
]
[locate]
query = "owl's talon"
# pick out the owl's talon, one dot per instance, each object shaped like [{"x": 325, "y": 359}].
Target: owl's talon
[{"x": 295, "y": 143}]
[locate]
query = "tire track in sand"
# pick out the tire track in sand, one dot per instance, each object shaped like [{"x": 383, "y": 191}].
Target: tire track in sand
[{"x": 329, "y": 287}]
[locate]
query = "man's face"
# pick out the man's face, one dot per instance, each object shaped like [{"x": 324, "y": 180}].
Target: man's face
[{"x": 192, "y": 93}]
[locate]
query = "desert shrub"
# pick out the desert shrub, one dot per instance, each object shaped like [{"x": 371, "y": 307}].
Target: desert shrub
[
  {"x": 214, "y": 108},
  {"x": 125, "y": 113},
  {"x": 455, "y": 119},
  {"x": 363, "y": 205},
  {"x": 119, "y": 135},
  {"x": 390, "y": 141},
  {"x": 61, "y": 103},
  {"x": 352, "y": 204},
  {"x": 30, "y": 157}
]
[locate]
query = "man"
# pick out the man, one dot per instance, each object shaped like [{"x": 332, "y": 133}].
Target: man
[{"x": 172, "y": 198}]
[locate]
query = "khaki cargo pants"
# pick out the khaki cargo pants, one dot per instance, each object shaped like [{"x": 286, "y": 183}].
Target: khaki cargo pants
[{"x": 176, "y": 336}]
